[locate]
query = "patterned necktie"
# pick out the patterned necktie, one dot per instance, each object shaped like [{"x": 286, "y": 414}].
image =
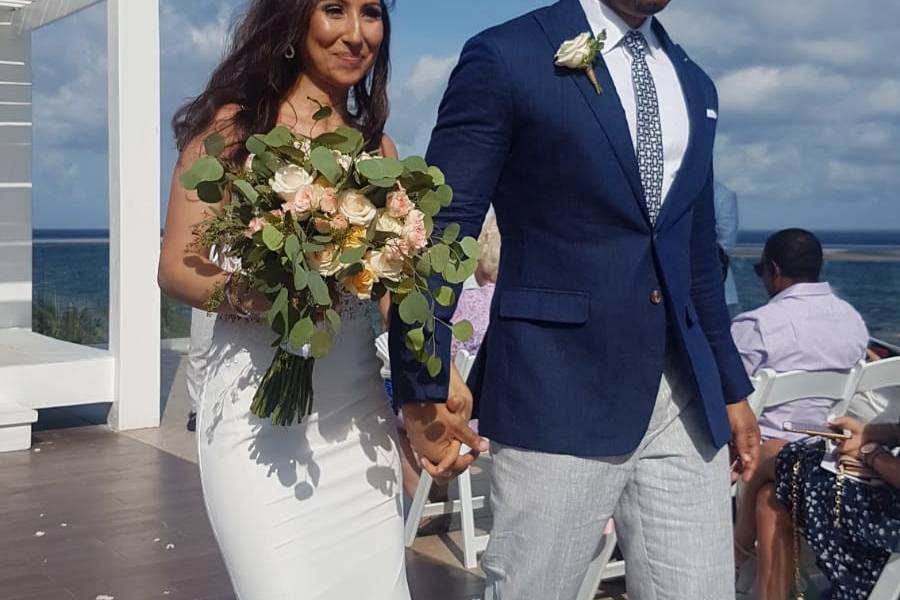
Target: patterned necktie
[{"x": 649, "y": 128}]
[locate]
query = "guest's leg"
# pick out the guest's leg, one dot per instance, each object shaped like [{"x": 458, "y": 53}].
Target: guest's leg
[
  {"x": 776, "y": 551},
  {"x": 549, "y": 516},
  {"x": 745, "y": 525}
]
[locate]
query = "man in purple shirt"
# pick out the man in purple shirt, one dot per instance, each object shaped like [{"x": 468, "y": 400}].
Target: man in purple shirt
[{"x": 803, "y": 327}]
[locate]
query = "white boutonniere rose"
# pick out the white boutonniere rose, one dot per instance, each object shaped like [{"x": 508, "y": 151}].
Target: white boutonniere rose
[{"x": 580, "y": 53}]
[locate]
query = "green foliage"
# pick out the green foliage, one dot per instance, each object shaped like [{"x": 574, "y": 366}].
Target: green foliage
[{"x": 324, "y": 162}]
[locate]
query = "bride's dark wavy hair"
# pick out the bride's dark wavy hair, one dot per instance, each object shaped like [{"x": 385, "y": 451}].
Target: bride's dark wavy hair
[{"x": 257, "y": 75}]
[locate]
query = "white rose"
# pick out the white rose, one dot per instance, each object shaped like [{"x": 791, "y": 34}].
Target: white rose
[
  {"x": 573, "y": 53},
  {"x": 288, "y": 180},
  {"x": 384, "y": 267},
  {"x": 388, "y": 224},
  {"x": 358, "y": 209},
  {"x": 326, "y": 262},
  {"x": 345, "y": 160}
]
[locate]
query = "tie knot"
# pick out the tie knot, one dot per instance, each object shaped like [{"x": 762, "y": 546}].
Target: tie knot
[{"x": 636, "y": 43}]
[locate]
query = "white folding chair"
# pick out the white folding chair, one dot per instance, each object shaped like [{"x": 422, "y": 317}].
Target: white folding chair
[
  {"x": 601, "y": 569},
  {"x": 888, "y": 586},
  {"x": 465, "y": 506},
  {"x": 873, "y": 376},
  {"x": 775, "y": 389}
]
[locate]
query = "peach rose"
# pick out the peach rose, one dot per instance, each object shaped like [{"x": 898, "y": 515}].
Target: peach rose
[
  {"x": 356, "y": 237},
  {"x": 301, "y": 205},
  {"x": 340, "y": 223},
  {"x": 255, "y": 226},
  {"x": 328, "y": 201},
  {"x": 414, "y": 230},
  {"x": 398, "y": 203},
  {"x": 361, "y": 284}
]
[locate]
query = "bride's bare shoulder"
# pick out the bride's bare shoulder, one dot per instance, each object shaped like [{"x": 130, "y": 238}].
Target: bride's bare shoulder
[{"x": 388, "y": 147}]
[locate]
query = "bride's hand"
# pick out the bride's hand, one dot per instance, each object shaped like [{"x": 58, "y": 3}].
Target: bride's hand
[{"x": 438, "y": 430}]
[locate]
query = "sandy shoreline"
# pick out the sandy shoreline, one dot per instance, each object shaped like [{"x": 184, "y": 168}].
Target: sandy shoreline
[{"x": 835, "y": 253}]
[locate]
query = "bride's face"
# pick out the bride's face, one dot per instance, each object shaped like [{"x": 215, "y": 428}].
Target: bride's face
[{"x": 343, "y": 40}]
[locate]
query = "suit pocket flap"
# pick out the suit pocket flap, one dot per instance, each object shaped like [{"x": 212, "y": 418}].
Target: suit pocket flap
[{"x": 553, "y": 306}]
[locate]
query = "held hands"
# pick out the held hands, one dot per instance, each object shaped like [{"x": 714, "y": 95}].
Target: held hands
[
  {"x": 745, "y": 441},
  {"x": 438, "y": 430}
]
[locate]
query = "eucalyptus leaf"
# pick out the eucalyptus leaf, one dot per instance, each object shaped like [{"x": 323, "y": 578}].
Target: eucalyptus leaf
[
  {"x": 440, "y": 255},
  {"x": 377, "y": 169},
  {"x": 301, "y": 333},
  {"x": 208, "y": 168},
  {"x": 292, "y": 247},
  {"x": 430, "y": 204},
  {"x": 334, "y": 319},
  {"x": 416, "y": 338},
  {"x": 272, "y": 238},
  {"x": 301, "y": 277},
  {"x": 190, "y": 180},
  {"x": 416, "y": 164},
  {"x": 319, "y": 289},
  {"x": 352, "y": 255},
  {"x": 470, "y": 247},
  {"x": 434, "y": 365},
  {"x": 437, "y": 176},
  {"x": 414, "y": 309},
  {"x": 444, "y": 296},
  {"x": 246, "y": 190},
  {"x": 423, "y": 266},
  {"x": 324, "y": 162},
  {"x": 209, "y": 192},
  {"x": 279, "y": 136},
  {"x": 451, "y": 233},
  {"x": 463, "y": 331},
  {"x": 444, "y": 195},
  {"x": 323, "y": 113},
  {"x": 256, "y": 144},
  {"x": 214, "y": 145},
  {"x": 320, "y": 344}
]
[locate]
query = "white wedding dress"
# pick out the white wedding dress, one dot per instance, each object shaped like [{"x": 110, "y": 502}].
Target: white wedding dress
[{"x": 311, "y": 511}]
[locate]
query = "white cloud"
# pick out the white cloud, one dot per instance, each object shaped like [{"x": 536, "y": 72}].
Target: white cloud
[{"x": 429, "y": 77}]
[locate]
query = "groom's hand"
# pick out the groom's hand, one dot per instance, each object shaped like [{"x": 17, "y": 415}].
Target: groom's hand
[
  {"x": 438, "y": 430},
  {"x": 745, "y": 440}
]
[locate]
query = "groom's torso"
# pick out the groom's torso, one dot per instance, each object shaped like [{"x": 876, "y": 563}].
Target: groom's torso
[{"x": 590, "y": 293}]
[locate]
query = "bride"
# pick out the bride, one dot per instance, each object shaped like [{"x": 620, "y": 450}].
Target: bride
[{"x": 311, "y": 511}]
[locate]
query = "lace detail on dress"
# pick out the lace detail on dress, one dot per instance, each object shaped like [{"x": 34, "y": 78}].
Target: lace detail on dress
[{"x": 351, "y": 308}]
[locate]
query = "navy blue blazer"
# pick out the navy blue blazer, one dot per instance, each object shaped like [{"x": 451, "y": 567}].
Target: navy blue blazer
[{"x": 587, "y": 287}]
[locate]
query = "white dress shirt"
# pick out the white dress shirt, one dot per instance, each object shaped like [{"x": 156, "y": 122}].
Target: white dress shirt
[{"x": 672, "y": 105}]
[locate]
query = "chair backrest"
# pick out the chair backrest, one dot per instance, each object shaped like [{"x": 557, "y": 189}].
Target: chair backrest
[
  {"x": 780, "y": 388},
  {"x": 879, "y": 374},
  {"x": 464, "y": 363}
]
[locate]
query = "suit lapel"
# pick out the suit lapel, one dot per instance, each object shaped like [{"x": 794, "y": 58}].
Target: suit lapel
[
  {"x": 693, "y": 165},
  {"x": 562, "y": 22}
]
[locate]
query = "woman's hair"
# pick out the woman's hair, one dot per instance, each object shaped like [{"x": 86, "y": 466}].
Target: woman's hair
[
  {"x": 257, "y": 75},
  {"x": 489, "y": 241}
]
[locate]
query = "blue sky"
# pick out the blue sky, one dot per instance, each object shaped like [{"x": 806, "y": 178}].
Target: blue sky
[{"x": 809, "y": 93}]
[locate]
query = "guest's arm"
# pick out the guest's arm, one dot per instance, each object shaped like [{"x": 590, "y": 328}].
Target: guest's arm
[{"x": 888, "y": 467}]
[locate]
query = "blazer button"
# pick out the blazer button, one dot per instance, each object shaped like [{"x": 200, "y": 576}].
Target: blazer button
[{"x": 656, "y": 297}]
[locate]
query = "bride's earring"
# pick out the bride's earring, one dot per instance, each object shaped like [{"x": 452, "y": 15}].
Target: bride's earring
[{"x": 290, "y": 53}]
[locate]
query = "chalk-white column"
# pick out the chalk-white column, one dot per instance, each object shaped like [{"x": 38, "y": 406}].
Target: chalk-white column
[{"x": 134, "y": 223}]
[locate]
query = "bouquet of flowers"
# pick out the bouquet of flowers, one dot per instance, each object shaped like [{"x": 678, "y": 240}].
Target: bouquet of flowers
[{"x": 310, "y": 220}]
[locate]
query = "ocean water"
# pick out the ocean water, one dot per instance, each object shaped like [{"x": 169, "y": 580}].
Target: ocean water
[{"x": 71, "y": 269}]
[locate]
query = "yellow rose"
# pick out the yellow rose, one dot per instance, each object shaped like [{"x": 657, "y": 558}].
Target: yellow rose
[
  {"x": 361, "y": 284},
  {"x": 356, "y": 237}
]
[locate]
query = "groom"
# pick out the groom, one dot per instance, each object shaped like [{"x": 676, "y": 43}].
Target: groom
[{"x": 608, "y": 381}]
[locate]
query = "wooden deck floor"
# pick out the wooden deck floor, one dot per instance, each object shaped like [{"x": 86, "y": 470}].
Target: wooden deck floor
[{"x": 88, "y": 514}]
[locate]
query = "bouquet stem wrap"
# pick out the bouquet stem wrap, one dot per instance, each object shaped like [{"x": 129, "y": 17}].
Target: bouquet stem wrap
[{"x": 285, "y": 393}]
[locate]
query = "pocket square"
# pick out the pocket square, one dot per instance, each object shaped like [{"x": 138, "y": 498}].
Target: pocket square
[{"x": 711, "y": 114}]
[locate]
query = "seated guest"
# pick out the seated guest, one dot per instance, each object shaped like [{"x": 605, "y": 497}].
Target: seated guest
[
  {"x": 852, "y": 523},
  {"x": 804, "y": 326},
  {"x": 475, "y": 299}
]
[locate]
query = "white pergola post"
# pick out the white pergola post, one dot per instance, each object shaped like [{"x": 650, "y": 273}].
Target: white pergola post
[{"x": 134, "y": 223}]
